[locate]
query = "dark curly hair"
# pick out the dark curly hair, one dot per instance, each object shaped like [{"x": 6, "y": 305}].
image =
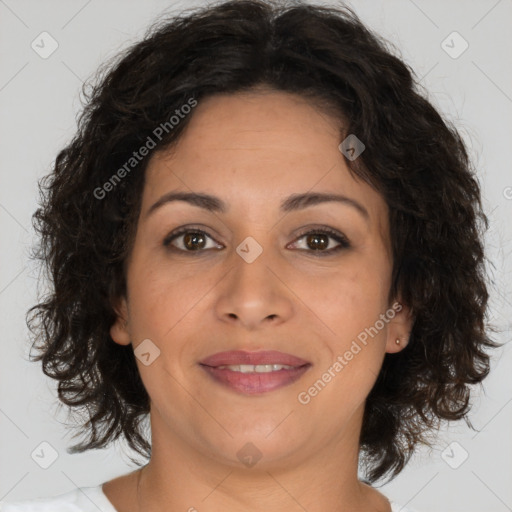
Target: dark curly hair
[{"x": 414, "y": 158}]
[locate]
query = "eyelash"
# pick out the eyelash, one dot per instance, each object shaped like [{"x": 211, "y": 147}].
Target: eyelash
[{"x": 341, "y": 239}]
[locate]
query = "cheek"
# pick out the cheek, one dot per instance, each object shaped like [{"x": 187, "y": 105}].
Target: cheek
[
  {"x": 167, "y": 300},
  {"x": 347, "y": 300},
  {"x": 351, "y": 351}
]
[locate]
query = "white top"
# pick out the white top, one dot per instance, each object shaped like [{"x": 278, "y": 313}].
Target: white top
[{"x": 86, "y": 499}]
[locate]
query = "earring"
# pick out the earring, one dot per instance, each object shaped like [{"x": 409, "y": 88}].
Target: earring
[{"x": 397, "y": 341}]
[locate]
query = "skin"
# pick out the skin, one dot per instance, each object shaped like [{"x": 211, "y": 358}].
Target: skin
[{"x": 252, "y": 150}]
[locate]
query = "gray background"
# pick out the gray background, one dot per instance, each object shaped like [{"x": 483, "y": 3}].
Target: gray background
[{"x": 39, "y": 99}]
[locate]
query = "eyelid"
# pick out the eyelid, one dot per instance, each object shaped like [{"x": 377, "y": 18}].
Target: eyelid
[
  {"x": 335, "y": 234},
  {"x": 184, "y": 230},
  {"x": 343, "y": 241}
]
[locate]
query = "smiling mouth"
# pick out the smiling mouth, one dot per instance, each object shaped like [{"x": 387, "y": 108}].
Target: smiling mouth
[
  {"x": 255, "y": 368},
  {"x": 255, "y": 379}
]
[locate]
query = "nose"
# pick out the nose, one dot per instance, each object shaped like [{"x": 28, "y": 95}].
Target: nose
[{"x": 255, "y": 294}]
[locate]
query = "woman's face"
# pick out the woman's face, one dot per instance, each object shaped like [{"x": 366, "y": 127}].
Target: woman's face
[{"x": 253, "y": 282}]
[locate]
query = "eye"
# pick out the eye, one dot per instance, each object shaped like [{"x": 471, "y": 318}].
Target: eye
[
  {"x": 317, "y": 240},
  {"x": 191, "y": 240}
]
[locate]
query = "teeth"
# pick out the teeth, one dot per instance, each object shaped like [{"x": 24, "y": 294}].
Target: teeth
[{"x": 258, "y": 368}]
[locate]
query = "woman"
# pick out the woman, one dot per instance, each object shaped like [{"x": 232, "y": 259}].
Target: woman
[{"x": 265, "y": 238}]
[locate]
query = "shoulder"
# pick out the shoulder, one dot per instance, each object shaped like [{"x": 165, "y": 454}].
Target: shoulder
[{"x": 84, "y": 499}]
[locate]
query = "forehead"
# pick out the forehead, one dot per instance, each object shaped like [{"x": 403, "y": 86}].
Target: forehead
[{"x": 253, "y": 149}]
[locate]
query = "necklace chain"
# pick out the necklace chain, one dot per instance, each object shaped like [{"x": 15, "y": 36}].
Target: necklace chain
[{"x": 138, "y": 486}]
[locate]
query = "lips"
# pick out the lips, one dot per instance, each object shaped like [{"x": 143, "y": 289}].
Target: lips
[
  {"x": 244, "y": 372},
  {"x": 237, "y": 357}
]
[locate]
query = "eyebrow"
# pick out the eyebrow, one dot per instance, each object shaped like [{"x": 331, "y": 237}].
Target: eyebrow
[{"x": 293, "y": 202}]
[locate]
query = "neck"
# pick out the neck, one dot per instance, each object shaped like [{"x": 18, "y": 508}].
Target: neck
[{"x": 180, "y": 477}]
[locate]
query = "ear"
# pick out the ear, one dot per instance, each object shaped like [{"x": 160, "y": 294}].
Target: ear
[
  {"x": 399, "y": 326},
  {"x": 119, "y": 331}
]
